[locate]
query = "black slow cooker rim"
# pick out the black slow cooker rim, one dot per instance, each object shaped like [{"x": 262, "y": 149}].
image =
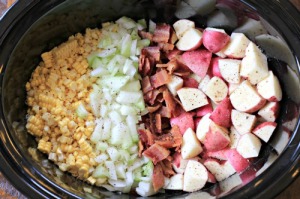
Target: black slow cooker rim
[{"x": 36, "y": 186}]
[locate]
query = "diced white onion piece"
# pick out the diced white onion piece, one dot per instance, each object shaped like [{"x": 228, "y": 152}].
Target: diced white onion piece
[
  {"x": 101, "y": 158},
  {"x": 107, "y": 52},
  {"x": 115, "y": 117},
  {"x": 118, "y": 133},
  {"x": 127, "y": 110},
  {"x": 120, "y": 169},
  {"x": 126, "y": 22},
  {"x": 133, "y": 48},
  {"x": 97, "y": 133},
  {"x": 106, "y": 133},
  {"x": 133, "y": 86},
  {"x": 101, "y": 146},
  {"x": 113, "y": 153},
  {"x": 132, "y": 125},
  {"x": 152, "y": 26},
  {"x": 137, "y": 163},
  {"x": 112, "y": 174},
  {"x": 117, "y": 183},
  {"x": 127, "y": 97}
]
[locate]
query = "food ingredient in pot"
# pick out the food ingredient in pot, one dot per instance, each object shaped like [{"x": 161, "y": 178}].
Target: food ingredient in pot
[
  {"x": 171, "y": 107},
  {"x": 85, "y": 103}
]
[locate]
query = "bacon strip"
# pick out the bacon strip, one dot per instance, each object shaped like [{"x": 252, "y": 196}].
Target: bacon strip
[
  {"x": 146, "y": 136},
  {"x": 166, "y": 46},
  {"x": 173, "y": 54},
  {"x": 158, "y": 125},
  {"x": 183, "y": 74},
  {"x": 162, "y": 33},
  {"x": 153, "y": 52},
  {"x": 172, "y": 66},
  {"x": 146, "y": 84},
  {"x": 147, "y": 67},
  {"x": 170, "y": 102},
  {"x": 141, "y": 62},
  {"x": 152, "y": 123},
  {"x": 145, "y": 35},
  {"x": 167, "y": 167},
  {"x": 173, "y": 37},
  {"x": 160, "y": 78},
  {"x": 141, "y": 147},
  {"x": 156, "y": 153},
  {"x": 151, "y": 96},
  {"x": 171, "y": 139},
  {"x": 154, "y": 108},
  {"x": 158, "y": 177},
  {"x": 164, "y": 112}
]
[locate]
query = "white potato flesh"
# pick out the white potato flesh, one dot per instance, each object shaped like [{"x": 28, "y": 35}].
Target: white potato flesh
[
  {"x": 245, "y": 98},
  {"x": 242, "y": 122},
  {"x": 269, "y": 88},
  {"x": 175, "y": 84},
  {"x": 191, "y": 98},
  {"x": 220, "y": 171},
  {"x": 216, "y": 89},
  {"x": 230, "y": 70},
  {"x": 181, "y": 26},
  {"x": 191, "y": 39},
  {"x": 203, "y": 127},
  {"x": 236, "y": 48},
  {"x": 254, "y": 65},
  {"x": 175, "y": 182},
  {"x": 191, "y": 146},
  {"x": 195, "y": 176},
  {"x": 249, "y": 146}
]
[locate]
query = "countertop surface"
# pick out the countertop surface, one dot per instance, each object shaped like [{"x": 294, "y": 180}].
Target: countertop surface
[{"x": 7, "y": 191}]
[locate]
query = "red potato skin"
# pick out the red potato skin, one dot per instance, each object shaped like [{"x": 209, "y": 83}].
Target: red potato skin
[
  {"x": 211, "y": 178},
  {"x": 222, "y": 113},
  {"x": 215, "y": 138},
  {"x": 214, "y": 66},
  {"x": 190, "y": 82},
  {"x": 276, "y": 109},
  {"x": 248, "y": 175},
  {"x": 176, "y": 159},
  {"x": 257, "y": 107},
  {"x": 215, "y": 190},
  {"x": 197, "y": 45},
  {"x": 264, "y": 124},
  {"x": 197, "y": 120},
  {"x": 183, "y": 121},
  {"x": 214, "y": 41},
  {"x": 182, "y": 65},
  {"x": 236, "y": 160},
  {"x": 221, "y": 154},
  {"x": 273, "y": 99},
  {"x": 200, "y": 112},
  {"x": 197, "y": 61}
]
